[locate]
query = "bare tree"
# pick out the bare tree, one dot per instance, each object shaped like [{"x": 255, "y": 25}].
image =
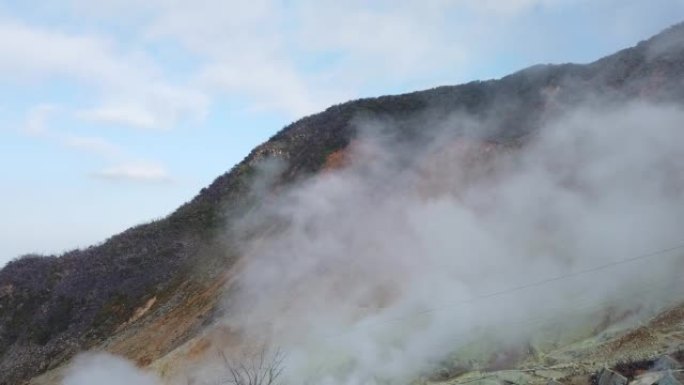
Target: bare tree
[{"x": 261, "y": 368}]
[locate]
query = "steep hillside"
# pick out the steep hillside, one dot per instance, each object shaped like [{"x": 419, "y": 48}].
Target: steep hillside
[{"x": 160, "y": 281}]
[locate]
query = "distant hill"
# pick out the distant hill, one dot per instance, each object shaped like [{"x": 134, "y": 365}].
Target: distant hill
[{"x": 166, "y": 275}]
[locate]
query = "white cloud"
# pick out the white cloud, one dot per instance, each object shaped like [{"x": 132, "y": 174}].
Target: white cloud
[
  {"x": 36, "y": 120},
  {"x": 399, "y": 39},
  {"x": 244, "y": 50},
  {"x": 36, "y": 53},
  {"x": 293, "y": 57},
  {"x": 94, "y": 145},
  {"x": 299, "y": 57},
  {"x": 256, "y": 50},
  {"x": 126, "y": 115},
  {"x": 153, "y": 64},
  {"x": 510, "y": 6},
  {"x": 32, "y": 54},
  {"x": 124, "y": 166},
  {"x": 157, "y": 106},
  {"x": 270, "y": 85},
  {"x": 137, "y": 172}
]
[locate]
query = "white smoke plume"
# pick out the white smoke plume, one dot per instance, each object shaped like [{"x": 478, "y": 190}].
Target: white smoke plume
[
  {"x": 453, "y": 250},
  {"x": 106, "y": 369},
  {"x": 460, "y": 249}
]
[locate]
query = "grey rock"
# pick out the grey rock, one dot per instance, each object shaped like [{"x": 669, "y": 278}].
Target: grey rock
[
  {"x": 610, "y": 377},
  {"x": 549, "y": 374},
  {"x": 671, "y": 378},
  {"x": 649, "y": 378},
  {"x": 666, "y": 363}
]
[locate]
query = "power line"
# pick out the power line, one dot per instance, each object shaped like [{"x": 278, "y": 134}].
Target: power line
[
  {"x": 522, "y": 287},
  {"x": 571, "y": 275}
]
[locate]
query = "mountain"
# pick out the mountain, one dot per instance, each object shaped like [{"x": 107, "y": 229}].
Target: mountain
[{"x": 146, "y": 291}]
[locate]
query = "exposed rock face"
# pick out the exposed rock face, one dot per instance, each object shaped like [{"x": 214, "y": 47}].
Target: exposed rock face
[
  {"x": 671, "y": 378},
  {"x": 666, "y": 363},
  {"x": 52, "y": 307},
  {"x": 642, "y": 372},
  {"x": 609, "y": 377}
]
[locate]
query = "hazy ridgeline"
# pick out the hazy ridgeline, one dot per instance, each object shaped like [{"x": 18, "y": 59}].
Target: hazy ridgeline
[
  {"x": 540, "y": 209},
  {"x": 421, "y": 249}
]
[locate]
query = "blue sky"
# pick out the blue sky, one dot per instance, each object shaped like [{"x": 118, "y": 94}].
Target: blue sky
[{"x": 118, "y": 111}]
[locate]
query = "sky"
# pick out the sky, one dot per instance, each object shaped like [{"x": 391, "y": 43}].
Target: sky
[{"x": 115, "y": 112}]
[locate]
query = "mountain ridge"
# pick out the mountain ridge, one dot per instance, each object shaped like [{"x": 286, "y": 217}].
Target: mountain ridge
[{"x": 53, "y": 307}]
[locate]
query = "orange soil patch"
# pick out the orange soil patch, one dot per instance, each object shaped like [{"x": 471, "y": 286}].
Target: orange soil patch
[
  {"x": 638, "y": 340},
  {"x": 671, "y": 318},
  {"x": 336, "y": 160},
  {"x": 157, "y": 336}
]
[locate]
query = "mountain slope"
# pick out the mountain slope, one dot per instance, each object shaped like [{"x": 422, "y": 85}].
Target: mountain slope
[{"x": 166, "y": 275}]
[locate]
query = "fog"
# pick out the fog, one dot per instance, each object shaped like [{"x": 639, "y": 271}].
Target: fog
[
  {"x": 441, "y": 247},
  {"x": 106, "y": 369},
  {"x": 452, "y": 250}
]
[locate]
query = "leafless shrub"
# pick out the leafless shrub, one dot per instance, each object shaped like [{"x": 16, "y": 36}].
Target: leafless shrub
[{"x": 261, "y": 368}]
